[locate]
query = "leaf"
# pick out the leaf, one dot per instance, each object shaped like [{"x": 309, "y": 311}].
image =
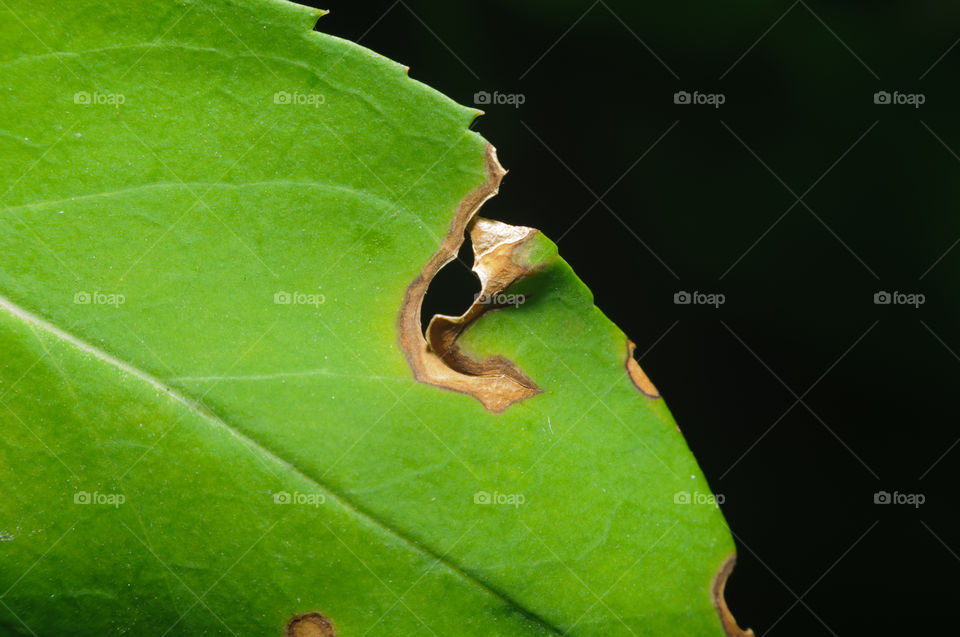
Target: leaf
[{"x": 219, "y": 414}]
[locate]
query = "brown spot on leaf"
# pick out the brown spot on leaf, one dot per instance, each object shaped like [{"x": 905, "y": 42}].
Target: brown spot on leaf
[
  {"x": 496, "y": 382},
  {"x": 637, "y": 374},
  {"x": 730, "y": 626},
  {"x": 310, "y": 625}
]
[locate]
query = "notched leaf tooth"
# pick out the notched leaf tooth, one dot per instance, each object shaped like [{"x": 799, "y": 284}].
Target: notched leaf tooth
[
  {"x": 640, "y": 379},
  {"x": 730, "y": 626},
  {"x": 496, "y": 382}
]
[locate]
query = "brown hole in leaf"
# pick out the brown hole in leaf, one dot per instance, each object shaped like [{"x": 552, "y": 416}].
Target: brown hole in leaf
[
  {"x": 453, "y": 289},
  {"x": 637, "y": 375},
  {"x": 310, "y": 625},
  {"x": 730, "y": 626},
  {"x": 435, "y": 358}
]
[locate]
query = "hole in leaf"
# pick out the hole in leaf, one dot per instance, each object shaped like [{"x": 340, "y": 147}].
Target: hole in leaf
[
  {"x": 497, "y": 383},
  {"x": 453, "y": 289}
]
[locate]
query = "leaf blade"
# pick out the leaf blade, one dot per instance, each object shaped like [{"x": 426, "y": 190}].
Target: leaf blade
[{"x": 204, "y": 228}]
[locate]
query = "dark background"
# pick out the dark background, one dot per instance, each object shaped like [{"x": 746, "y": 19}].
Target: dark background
[{"x": 798, "y": 199}]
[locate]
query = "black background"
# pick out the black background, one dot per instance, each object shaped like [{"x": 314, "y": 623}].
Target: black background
[{"x": 712, "y": 206}]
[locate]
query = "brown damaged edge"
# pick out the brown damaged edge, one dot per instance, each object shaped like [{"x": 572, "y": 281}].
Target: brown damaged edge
[
  {"x": 496, "y": 382},
  {"x": 498, "y": 263},
  {"x": 730, "y": 626},
  {"x": 637, "y": 375},
  {"x": 310, "y": 625}
]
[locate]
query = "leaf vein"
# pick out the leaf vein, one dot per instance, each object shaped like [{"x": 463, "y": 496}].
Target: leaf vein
[{"x": 34, "y": 320}]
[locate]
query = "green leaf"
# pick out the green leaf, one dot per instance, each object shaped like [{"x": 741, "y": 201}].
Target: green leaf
[{"x": 218, "y": 412}]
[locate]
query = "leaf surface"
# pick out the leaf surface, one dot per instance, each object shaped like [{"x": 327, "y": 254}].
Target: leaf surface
[{"x": 218, "y": 411}]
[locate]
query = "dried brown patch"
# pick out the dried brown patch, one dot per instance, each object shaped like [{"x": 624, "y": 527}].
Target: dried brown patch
[
  {"x": 719, "y": 583},
  {"x": 310, "y": 625},
  {"x": 496, "y": 382},
  {"x": 637, "y": 375}
]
